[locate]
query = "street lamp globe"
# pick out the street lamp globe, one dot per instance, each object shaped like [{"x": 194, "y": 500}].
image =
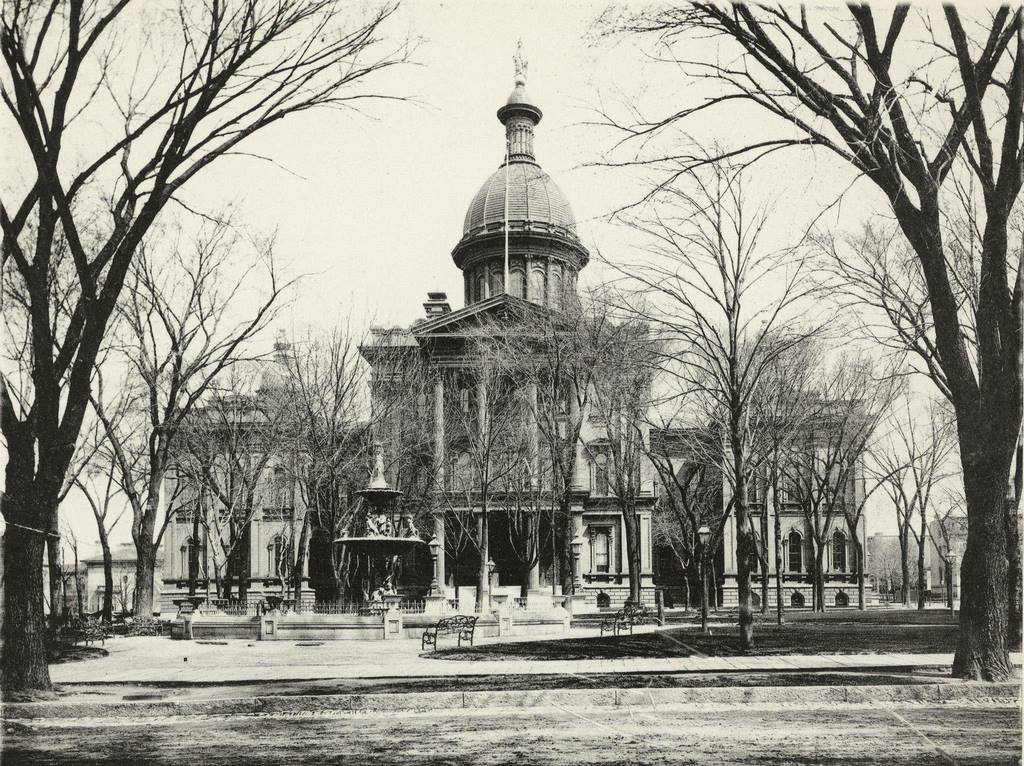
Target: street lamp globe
[
  {"x": 434, "y": 545},
  {"x": 577, "y": 545},
  {"x": 491, "y": 566},
  {"x": 704, "y": 533}
]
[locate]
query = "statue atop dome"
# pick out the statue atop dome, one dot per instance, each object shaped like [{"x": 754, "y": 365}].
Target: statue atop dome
[{"x": 520, "y": 62}]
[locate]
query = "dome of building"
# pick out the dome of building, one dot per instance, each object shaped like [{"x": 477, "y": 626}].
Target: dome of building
[
  {"x": 534, "y": 202},
  {"x": 530, "y": 248}
]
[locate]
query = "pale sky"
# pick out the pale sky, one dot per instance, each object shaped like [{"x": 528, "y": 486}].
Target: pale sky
[{"x": 372, "y": 204}]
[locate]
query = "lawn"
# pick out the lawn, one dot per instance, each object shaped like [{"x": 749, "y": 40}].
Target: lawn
[{"x": 838, "y": 633}]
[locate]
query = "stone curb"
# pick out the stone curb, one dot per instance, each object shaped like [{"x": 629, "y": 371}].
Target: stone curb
[{"x": 576, "y": 698}]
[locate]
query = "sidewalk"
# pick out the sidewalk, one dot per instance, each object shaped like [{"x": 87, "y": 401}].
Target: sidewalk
[{"x": 161, "y": 660}]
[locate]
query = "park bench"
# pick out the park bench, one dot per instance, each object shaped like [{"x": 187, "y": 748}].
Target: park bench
[
  {"x": 461, "y": 626},
  {"x": 87, "y": 631},
  {"x": 625, "y": 618}
]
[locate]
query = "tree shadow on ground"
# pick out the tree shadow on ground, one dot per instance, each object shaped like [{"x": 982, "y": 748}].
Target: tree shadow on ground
[{"x": 801, "y": 638}]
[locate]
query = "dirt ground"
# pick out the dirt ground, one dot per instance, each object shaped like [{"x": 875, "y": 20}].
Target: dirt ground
[{"x": 841, "y": 734}]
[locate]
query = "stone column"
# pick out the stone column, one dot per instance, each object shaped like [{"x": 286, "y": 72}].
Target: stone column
[
  {"x": 439, "y": 534},
  {"x": 439, "y": 445},
  {"x": 532, "y": 437},
  {"x": 579, "y": 477}
]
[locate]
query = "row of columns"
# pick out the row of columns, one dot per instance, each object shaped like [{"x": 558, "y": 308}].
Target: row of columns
[{"x": 579, "y": 473}]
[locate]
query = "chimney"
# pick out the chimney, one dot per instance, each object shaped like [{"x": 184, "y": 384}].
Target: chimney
[{"x": 436, "y": 305}]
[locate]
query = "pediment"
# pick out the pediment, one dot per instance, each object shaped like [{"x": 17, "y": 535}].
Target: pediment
[{"x": 496, "y": 311}]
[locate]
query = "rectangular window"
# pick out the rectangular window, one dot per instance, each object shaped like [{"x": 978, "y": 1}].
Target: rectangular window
[{"x": 600, "y": 546}]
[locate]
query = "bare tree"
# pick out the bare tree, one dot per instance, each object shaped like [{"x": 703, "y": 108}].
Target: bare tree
[
  {"x": 17, "y": 351},
  {"x": 334, "y": 427},
  {"x": 561, "y": 357},
  {"x": 177, "y": 330},
  {"x": 231, "y": 70},
  {"x": 850, "y": 396},
  {"x": 916, "y": 463},
  {"x": 485, "y": 436},
  {"x": 692, "y": 499},
  {"x": 233, "y": 439},
  {"x": 100, "y": 489},
  {"x": 723, "y": 308},
  {"x": 904, "y": 114},
  {"x": 783, "y": 409},
  {"x": 622, "y": 400},
  {"x": 70, "y": 540}
]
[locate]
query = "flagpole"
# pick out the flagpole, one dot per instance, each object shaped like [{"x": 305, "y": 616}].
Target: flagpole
[{"x": 505, "y": 283}]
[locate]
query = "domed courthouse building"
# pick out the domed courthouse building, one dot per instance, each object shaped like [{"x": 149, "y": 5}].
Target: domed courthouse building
[{"x": 519, "y": 253}]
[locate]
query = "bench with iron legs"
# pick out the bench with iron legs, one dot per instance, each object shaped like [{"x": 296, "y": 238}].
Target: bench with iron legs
[
  {"x": 461, "y": 626},
  {"x": 624, "y": 619},
  {"x": 86, "y": 631}
]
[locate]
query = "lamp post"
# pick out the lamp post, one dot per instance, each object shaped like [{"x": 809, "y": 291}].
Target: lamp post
[
  {"x": 435, "y": 547},
  {"x": 704, "y": 535},
  {"x": 577, "y": 548},
  {"x": 490, "y": 581}
]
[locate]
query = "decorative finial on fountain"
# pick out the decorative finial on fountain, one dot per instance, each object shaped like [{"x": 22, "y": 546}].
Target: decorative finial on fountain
[
  {"x": 519, "y": 60},
  {"x": 377, "y": 480}
]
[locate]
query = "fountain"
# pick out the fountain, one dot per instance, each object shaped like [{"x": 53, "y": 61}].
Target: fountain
[{"x": 375, "y": 538}]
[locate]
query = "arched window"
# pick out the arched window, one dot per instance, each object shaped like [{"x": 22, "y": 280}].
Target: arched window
[
  {"x": 461, "y": 475},
  {"x": 497, "y": 280},
  {"x": 555, "y": 288},
  {"x": 797, "y": 599},
  {"x": 838, "y": 551},
  {"x": 518, "y": 280},
  {"x": 481, "y": 286},
  {"x": 186, "y": 557},
  {"x": 538, "y": 291},
  {"x": 842, "y": 599},
  {"x": 281, "y": 496},
  {"x": 796, "y": 552},
  {"x": 601, "y": 485}
]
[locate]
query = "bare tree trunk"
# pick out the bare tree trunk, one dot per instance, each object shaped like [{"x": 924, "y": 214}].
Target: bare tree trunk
[
  {"x": 1013, "y": 574},
  {"x": 145, "y": 564},
  {"x": 56, "y": 577},
  {"x": 107, "y": 614},
  {"x": 905, "y": 569},
  {"x": 713, "y": 585},
  {"x": 483, "y": 586},
  {"x": 300, "y": 559},
  {"x": 193, "y": 555},
  {"x": 244, "y": 562},
  {"x": 779, "y": 601},
  {"x": 78, "y": 586},
  {"x": 858, "y": 552},
  {"x": 982, "y": 651},
  {"x": 24, "y": 628},
  {"x": 631, "y": 521},
  {"x": 765, "y": 577},
  {"x": 922, "y": 540}
]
